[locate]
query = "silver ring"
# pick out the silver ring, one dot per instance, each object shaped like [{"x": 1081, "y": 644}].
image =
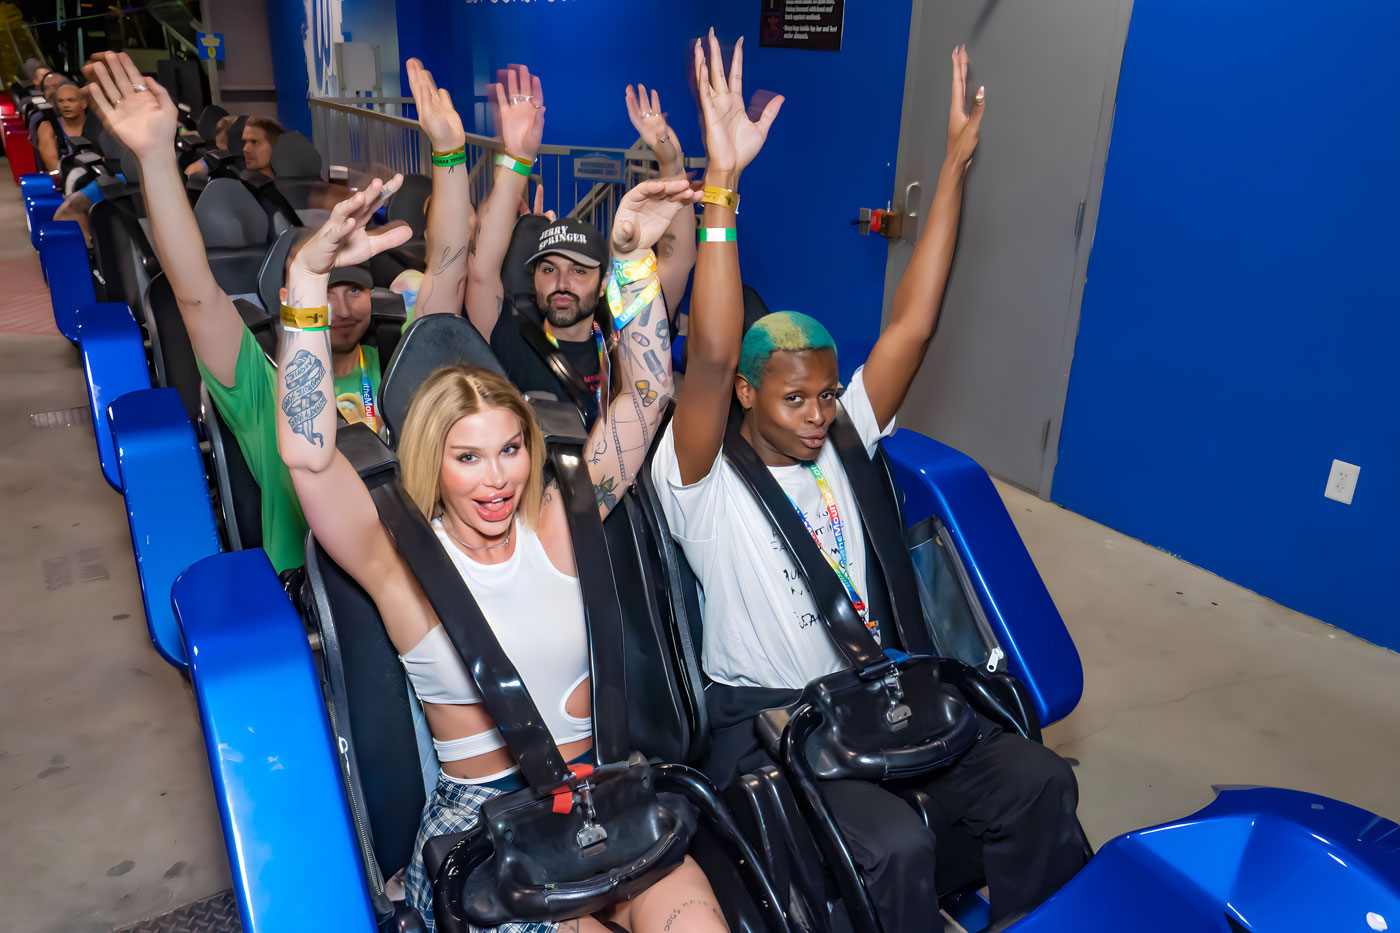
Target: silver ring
[
  {"x": 139, "y": 87},
  {"x": 522, "y": 99}
]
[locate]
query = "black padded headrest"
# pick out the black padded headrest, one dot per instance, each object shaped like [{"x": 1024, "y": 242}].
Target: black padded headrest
[
  {"x": 270, "y": 275},
  {"x": 113, "y": 150},
  {"x": 524, "y": 241},
  {"x": 209, "y": 119},
  {"x": 295, "y": 157},
  {"x": 409, "y": 203},
  {"x": 131, "y": 167},
  {"x": 229, "y": 215},
  {"x": 429, "y": 344}
]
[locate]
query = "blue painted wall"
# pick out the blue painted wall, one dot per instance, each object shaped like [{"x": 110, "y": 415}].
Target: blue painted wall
[
  {"x": 1239, "y": 328},
  {"x": 831, "y": 151}
]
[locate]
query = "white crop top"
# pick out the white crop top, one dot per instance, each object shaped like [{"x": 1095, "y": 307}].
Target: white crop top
[{"x": 537, "y": 615}]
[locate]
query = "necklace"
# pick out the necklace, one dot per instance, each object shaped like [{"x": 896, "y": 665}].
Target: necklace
[{"x": 478, "y": 547}]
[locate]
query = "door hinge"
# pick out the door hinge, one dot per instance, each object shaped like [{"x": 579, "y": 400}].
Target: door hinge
[{"x": 1078, "y": 221}]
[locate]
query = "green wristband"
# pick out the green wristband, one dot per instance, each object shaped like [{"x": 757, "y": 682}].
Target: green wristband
[
  {"x": 718, "y": 235},
  {"x": 515, "y": 165},
  {"x": 456, "y": 157}
]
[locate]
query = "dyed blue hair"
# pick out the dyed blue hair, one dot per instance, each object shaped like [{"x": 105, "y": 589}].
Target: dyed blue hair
[{"x": 781, "y": 330}]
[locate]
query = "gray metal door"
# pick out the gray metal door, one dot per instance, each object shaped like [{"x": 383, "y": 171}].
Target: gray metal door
[{"x": 994, "y": 382}]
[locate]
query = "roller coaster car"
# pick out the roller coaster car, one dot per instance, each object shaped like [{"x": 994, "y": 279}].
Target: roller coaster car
[{"x": 321, "y": 761}]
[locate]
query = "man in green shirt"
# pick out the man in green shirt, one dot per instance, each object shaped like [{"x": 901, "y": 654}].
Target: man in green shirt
[{"x": 142, "y": 117}]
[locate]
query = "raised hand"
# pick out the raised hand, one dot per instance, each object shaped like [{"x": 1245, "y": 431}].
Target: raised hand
[
  {"x": 524, "y": 210},
  {"x": 646, "y": 211},
  {"x": 731, "y": 138},
  {"x": 343, "y": 239},
  {"x": 136, "y": 110},
  {"x": 520, "y": 112},
  {"x": 436, "y": 115},
  {"x": 962, "y": 126}
]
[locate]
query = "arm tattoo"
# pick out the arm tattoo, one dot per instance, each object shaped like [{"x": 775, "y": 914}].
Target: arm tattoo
[
  {"x": 667, "y": 246},
  {"x": 304, "y": 400},
  {"x": 447, "y": 261},
  {"x": 549, "y": 492},
  {"x": 605, "y": 491},
  {"x": 687, "y": 905}
]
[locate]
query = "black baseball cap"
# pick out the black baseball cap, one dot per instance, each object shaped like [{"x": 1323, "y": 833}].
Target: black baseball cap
[
  {"x": 579, "y": 241},
  {"x": 352, "y": 275}
]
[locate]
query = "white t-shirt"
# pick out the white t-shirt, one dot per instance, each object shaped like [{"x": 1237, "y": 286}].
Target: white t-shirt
[{"x": 761, "y": 626}]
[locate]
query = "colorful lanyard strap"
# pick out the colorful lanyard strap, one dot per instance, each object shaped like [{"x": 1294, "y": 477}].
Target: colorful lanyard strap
[
  {"x": 367, "y": 395},
  {"x": 603, "y": 374},
  {"x": 842, "y": 568}
]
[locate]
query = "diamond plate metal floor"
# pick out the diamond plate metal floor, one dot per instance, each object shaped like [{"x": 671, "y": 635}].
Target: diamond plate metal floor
[{"x": 217, "y": 914}]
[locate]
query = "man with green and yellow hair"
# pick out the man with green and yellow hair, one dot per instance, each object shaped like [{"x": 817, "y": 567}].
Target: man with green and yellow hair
[{"x": 764, "y": 638}]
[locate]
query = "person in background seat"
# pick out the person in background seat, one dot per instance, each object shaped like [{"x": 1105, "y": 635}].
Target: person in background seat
[
  {"x": 260, "y": 136},
  {"x": 73, "y": 119},
  {"x": 472, "y": 458},
  {"x": 220, "y": 141},
  {"x": 763, "y": 639},
  {"x": 567, "y": 274},
  {"x": 141, "y": 116}
]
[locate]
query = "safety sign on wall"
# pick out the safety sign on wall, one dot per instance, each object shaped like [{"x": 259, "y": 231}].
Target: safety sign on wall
[
  {"x": 210, "y": 45},
  {"x": 802, "y": 24}
]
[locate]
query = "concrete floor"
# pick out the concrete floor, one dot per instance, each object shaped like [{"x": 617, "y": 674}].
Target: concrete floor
[
  {"x": 105, "y": 803},
  {"x": 1192, "y": 681}
]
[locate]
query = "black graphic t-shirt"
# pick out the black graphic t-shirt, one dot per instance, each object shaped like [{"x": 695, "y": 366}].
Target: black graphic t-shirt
[{"x": 531, "y": 373}]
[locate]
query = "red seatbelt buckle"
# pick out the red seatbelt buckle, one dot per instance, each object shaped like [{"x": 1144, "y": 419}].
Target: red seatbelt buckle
[{"x": 564, "y": 798}]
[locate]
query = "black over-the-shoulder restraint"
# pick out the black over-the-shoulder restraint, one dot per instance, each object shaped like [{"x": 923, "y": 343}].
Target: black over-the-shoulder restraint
[
  {"x": 568, "y": 844},
  {"x": 534, "y": 336}
]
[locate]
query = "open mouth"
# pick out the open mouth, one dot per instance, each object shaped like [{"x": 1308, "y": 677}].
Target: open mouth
[{"x": 495, "y": 508}]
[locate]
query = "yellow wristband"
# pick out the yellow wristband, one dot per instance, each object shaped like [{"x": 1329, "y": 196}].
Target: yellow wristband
[
  {"x": 306, "y": 318},
  {"x": 721, "y": 196}
]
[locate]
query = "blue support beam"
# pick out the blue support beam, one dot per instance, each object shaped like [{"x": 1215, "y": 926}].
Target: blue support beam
[
  {"x": 64, "y": 255},
  {"x": 114, "y": 359},
  {"x": 38, "y": 211},
  {"x": 937, "y": 479},
  {"x": 292, "y": 848},
  {"x": 167, "y": 502}
]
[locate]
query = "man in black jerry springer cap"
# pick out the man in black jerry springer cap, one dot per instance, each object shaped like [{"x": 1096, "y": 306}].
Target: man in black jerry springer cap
[{"x": 567, "y": 286}]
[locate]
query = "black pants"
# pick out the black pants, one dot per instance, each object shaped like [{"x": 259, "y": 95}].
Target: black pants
[{"x": 1018, "y": 797}]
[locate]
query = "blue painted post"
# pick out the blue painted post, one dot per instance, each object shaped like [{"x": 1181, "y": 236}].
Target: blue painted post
[
  {"x": 167, "y": 502},
  {"x": 63, "y": 252},
  {"x": 276, "y": 771},
  {"x": 114, "y": 358},
  {"x": 38, "y": 210}
]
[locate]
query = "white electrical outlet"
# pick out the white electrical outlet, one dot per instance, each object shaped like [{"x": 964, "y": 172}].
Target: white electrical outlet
[{"x": 1341, "y": 482}]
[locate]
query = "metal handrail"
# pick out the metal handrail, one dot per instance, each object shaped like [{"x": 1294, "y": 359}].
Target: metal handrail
[{"x": 347, "y": 131}]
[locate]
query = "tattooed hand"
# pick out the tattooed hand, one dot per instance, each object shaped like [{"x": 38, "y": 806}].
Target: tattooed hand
[{"x": 304, "y": 401}]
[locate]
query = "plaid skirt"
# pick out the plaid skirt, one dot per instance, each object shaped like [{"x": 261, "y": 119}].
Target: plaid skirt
[{"x": 452, "y": 808}]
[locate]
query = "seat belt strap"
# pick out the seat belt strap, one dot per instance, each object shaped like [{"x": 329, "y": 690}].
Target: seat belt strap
[
  {"x": 558, "y": 363},
  {"x": 879, "y": 515},
  {"x": 852, "y": 639}
]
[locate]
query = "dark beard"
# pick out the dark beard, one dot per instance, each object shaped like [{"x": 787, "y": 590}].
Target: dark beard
[{"x": 566, "y": 317}]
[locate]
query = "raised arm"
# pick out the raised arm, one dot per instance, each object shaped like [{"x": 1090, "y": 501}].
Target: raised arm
[
  {"x": 144, "y": 122},
  {"x": 620, "y": 441},
  {"x": 48, "y": 147},
  {"x": 520, "y": 120},
  {"x": 717, "y": 302},
  {"x": 899, "y": 352},
  {"x": 675, "y": 251},
  {"x": 451, "y": 220},
  {"x": 334, "y": 501}
]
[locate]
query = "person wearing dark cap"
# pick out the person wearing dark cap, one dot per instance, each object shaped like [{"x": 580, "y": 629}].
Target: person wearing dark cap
[
  {"x": 240, "y": 379},
  {"x": 563, "y": 345}
]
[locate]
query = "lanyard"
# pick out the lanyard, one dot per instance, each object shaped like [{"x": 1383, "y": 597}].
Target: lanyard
[
  {"x": 604, "y": 376},
  {"x": 842, "y": 568},
  {"x": 367, "y": 395}
]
